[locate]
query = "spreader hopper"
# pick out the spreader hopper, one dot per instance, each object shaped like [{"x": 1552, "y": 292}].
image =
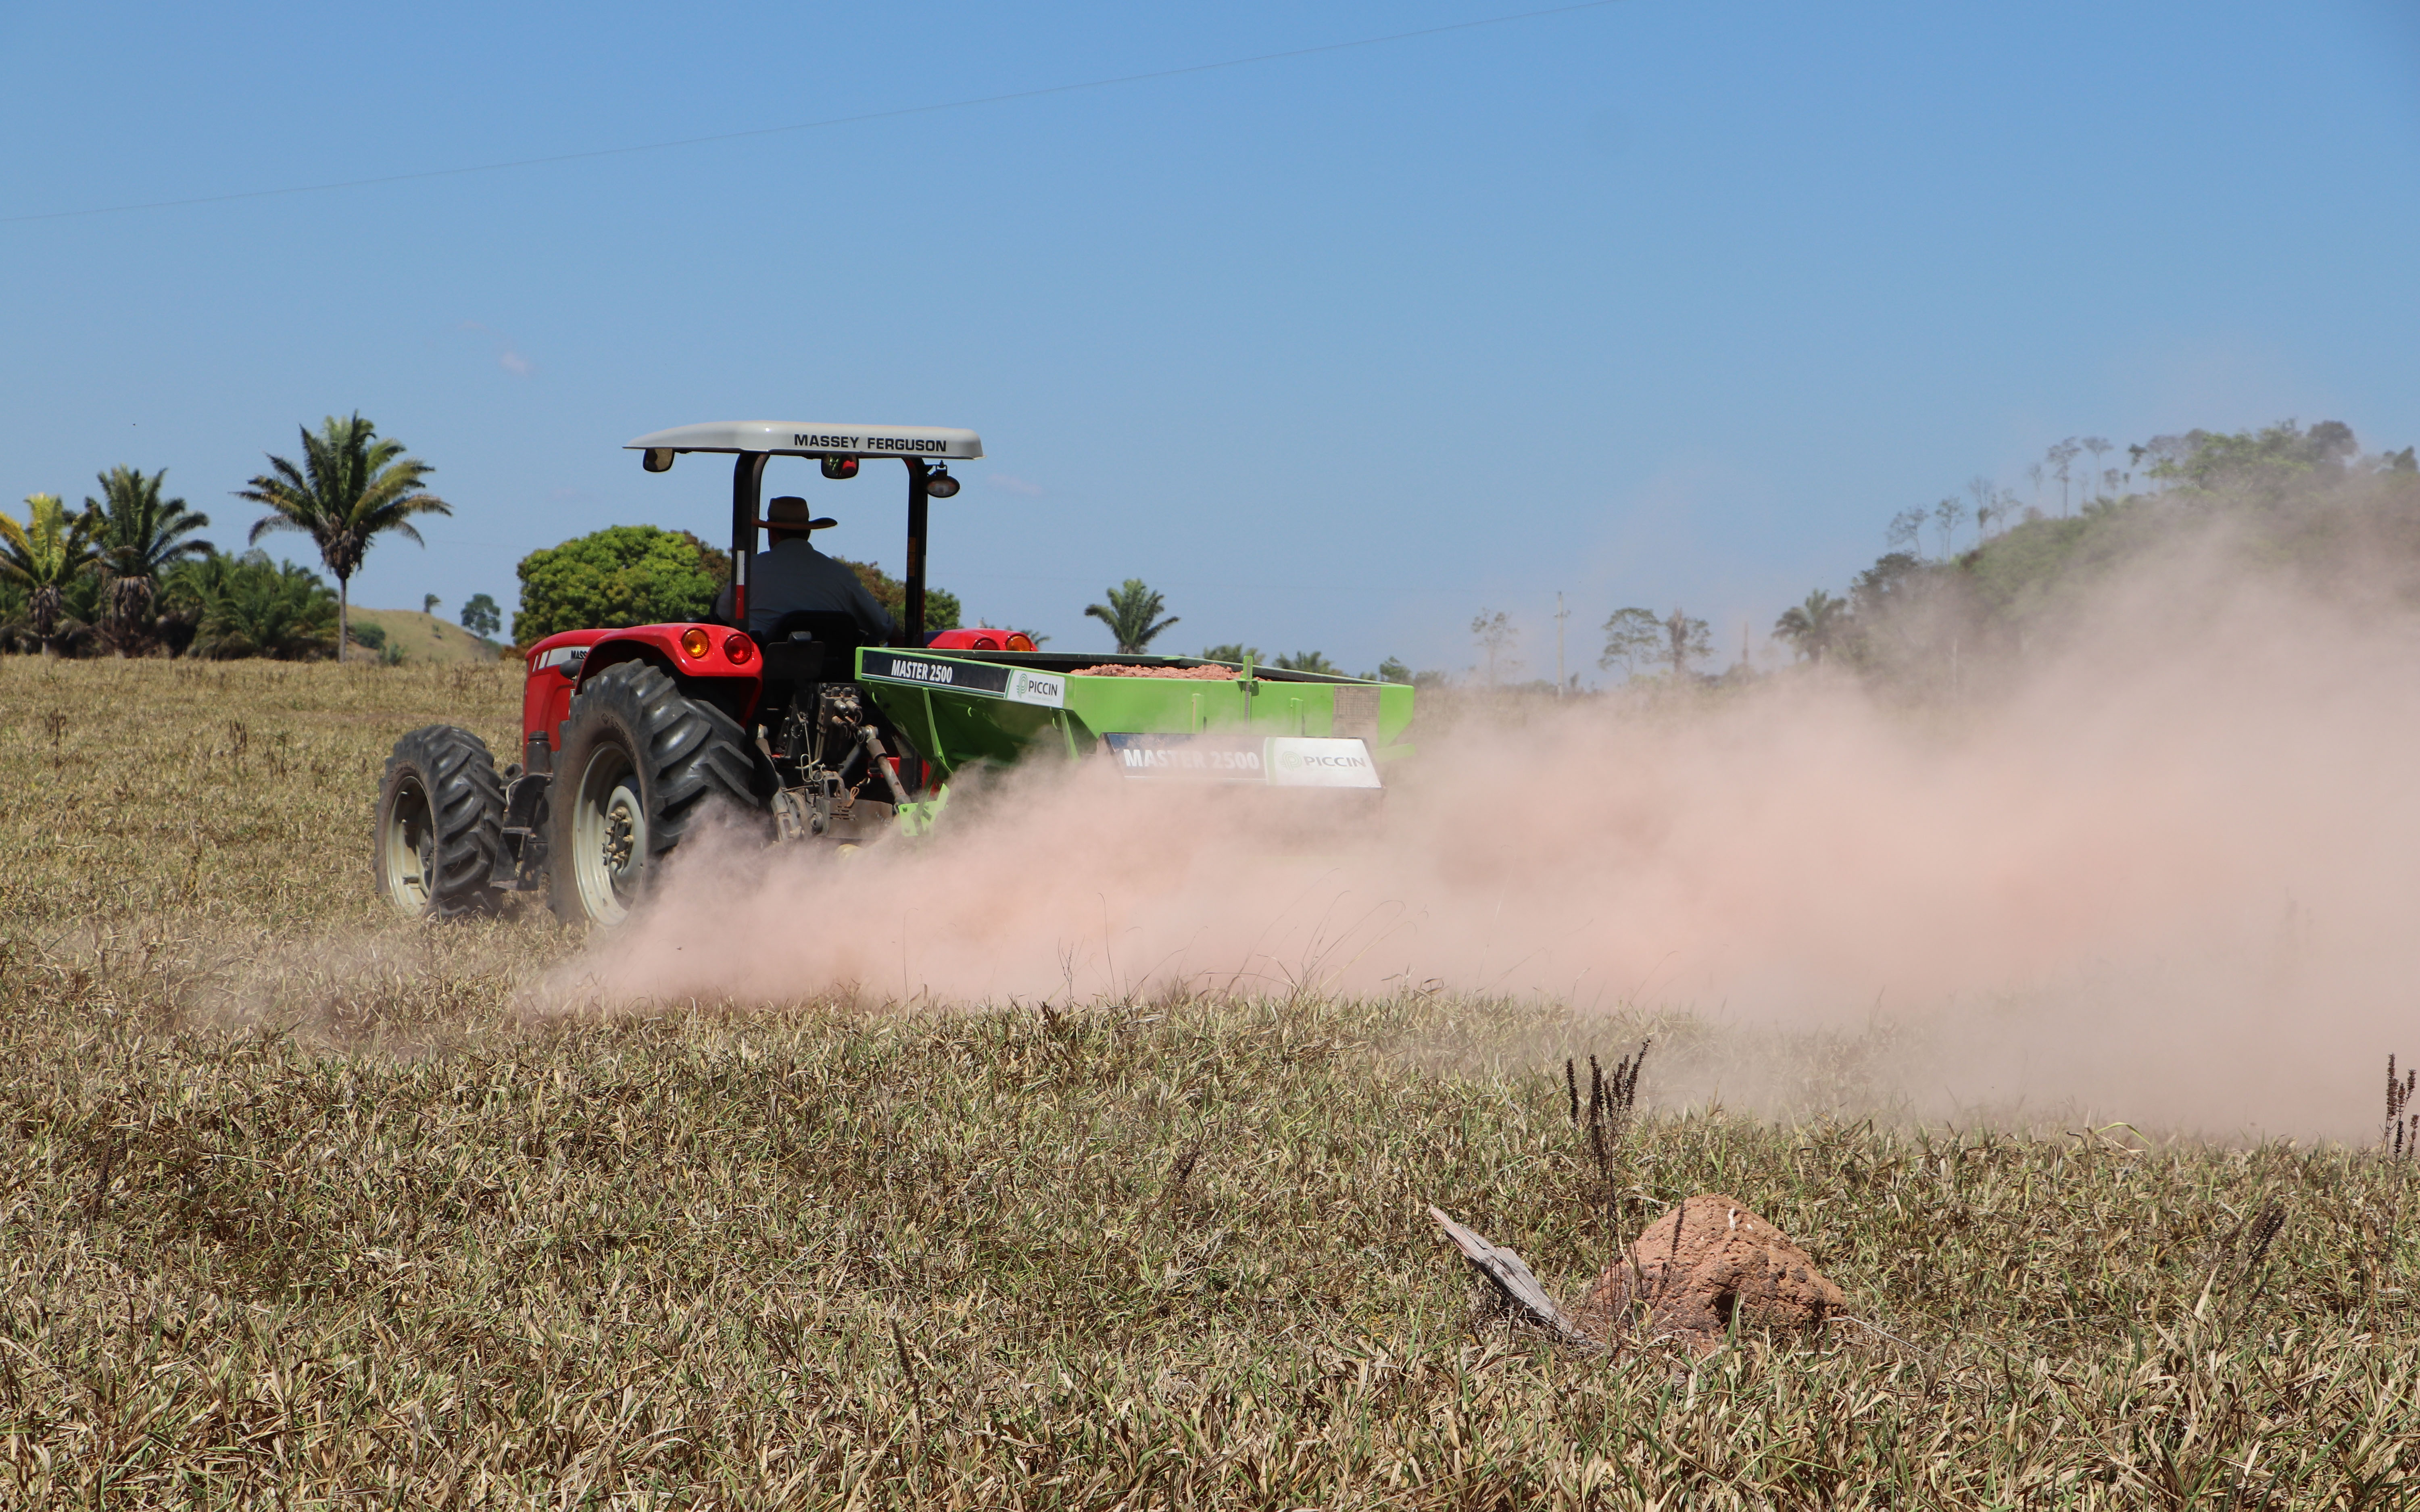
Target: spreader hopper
[{"x": 1151, "y": 718}]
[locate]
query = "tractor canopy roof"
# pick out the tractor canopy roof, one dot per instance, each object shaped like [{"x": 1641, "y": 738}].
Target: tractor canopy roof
[{"x": 813, "y": 438}]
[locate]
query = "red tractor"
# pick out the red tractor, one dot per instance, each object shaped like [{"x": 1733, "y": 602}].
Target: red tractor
[{"x": 628, "y": 735}]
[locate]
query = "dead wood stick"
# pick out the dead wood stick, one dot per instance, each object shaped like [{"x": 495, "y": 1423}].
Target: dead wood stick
[{"x": 1512, "y": 1277}]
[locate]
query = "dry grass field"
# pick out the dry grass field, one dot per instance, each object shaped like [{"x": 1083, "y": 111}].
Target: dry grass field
[{"x": 299, "y": 1209}]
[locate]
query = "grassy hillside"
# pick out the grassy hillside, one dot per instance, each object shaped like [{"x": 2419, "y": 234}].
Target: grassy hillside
[
  {"x": 423, "y": 637},
  {"x": 2281, "y": 508},
  {"x": 301, "y": 1205}
]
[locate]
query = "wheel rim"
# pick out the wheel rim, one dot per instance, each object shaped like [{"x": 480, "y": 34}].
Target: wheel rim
[
  {"x": 609, "y": 836},
  {"x": 407, "y": 849}
]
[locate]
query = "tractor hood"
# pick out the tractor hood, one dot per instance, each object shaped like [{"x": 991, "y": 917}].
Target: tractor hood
[{"x": 800, "y": 438}]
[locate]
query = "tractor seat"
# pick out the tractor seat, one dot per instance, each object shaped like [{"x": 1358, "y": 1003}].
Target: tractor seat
[
  {"x": 837, "y": 632},
  {"x": 811, "y": 646}
]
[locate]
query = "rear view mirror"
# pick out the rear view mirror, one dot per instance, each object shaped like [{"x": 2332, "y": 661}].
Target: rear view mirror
[
  {"x": 656, "y": 459},
  {"x": 838, "y": 468}
]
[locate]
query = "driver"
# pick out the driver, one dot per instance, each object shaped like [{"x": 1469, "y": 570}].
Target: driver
[{"x": 791, "y": 575}]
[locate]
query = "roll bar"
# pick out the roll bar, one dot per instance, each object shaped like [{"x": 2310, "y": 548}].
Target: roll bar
[{"x": 747, "y": 503}]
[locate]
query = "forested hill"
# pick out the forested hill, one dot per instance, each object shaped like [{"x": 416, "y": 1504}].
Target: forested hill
[{"x": 2282, "y": 503}]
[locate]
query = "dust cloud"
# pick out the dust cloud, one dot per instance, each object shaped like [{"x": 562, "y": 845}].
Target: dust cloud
[{"x": 2167, "y": 875}]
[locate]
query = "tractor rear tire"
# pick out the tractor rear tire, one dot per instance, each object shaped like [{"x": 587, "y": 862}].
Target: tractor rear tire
[
  {"x": 441, "y": 822},
  {"x": 640, "y": 764}
]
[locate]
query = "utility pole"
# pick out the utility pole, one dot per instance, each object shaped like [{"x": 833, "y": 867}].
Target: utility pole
[{"x": 1560, "y": 615}]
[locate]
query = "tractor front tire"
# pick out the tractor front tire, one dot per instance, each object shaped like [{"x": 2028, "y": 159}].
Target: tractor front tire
[
  {"x": 641, "y": 763},
  {"x": 441, "y": 822}
]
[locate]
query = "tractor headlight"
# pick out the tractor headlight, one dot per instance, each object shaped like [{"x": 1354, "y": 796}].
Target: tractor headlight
[{"x": 941, "y": 484}]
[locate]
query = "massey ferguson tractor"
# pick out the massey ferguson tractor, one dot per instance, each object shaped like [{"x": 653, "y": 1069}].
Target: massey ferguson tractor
[{"x": 632, "y": 735}]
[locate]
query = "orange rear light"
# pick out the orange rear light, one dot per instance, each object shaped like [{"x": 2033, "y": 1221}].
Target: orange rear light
[
  {"x": 695, "y": 643},
  {"x": 738, "y": 648},
  {"x": 1020, "y": 641}
]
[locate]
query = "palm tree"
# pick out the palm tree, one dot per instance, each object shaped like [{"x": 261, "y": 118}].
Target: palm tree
[
  {"x": 139, "y": 536},
  {"x": 1132, "y": 616},
  {"x": 1685, "y": 640},
  {"x": 1814, "y": 626},
  {"x": 351, "y": 488},
  {"x": 42, "y": 556},
  {"x": 1307, "y": 661},
  {"x": 247, "y": 608}
]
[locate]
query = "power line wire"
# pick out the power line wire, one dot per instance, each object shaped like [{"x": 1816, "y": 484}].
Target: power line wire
[{"x": 820, "y": 124}]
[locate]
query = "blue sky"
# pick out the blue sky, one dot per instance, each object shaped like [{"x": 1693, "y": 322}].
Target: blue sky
[{"x": 1646, "y": 302}]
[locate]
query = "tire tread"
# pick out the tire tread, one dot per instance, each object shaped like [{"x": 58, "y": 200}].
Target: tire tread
[
  {"x": 466, "y": 799},
  {"x": 694, "y": 751}
]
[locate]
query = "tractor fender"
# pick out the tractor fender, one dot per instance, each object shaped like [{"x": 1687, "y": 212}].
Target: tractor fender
[{"x": 562, "y": 664}]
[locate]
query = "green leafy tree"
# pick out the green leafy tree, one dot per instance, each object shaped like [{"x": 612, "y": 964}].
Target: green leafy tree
[
  {"x": 1814, "y": 626},
  {"x": 248, "y": 606},
  {"x": 1235, "y": 651},
  {"x": 137, "y": 536},
  {"x": 1886, "y": 585},
  {"x": 1132, "y": 615},
  {"x": 1631, "y": 637},
  {"x": 42, "y": 558},
  {"x": 1306, "y": 661},
  {"x": 620, "y": 576},
  {"x": 351, "y": 488},
  {"x": 942, "y": 610},
  {"x": 481, "y": 617},
  {"x": 639, "y": 575},
  {"x": 1395, "y": 670},
  {"x": 1898, "y": 609},
  {"x": 428, "y": 603},
  {"x": 2262, "y": 464}
]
